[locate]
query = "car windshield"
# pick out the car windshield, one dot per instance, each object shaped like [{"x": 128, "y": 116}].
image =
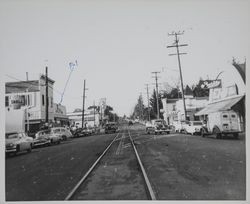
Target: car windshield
[
  {"x": 11, "y": 135},
  {"x": 159, "y": 122},
  {"x": 56, "y": 130},
  {"x": 197, "y": 123}
]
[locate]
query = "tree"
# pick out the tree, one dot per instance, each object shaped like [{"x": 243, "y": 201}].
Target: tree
[
  {"x": 107, "y": 110},
  {"x": 200, "y": 91},
  {"x": 153, "y": 103},
  {"x": 139, "y": 109}
]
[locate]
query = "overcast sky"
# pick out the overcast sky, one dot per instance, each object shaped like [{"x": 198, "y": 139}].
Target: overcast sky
[{"x": 119, "y": 43}]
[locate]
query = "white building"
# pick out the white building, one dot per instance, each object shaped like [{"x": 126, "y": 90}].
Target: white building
[
  {"x": 91, "y": 118},
  {"x": 173, "y": 109},
  {"x": 193, "y": 105},
  {"x": 25, "y": 103}
]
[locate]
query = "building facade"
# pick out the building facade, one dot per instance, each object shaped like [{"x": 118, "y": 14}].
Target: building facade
[
  {"x": 173, "y": 109},
  {"x": 91, "y": 118},
  {"x": 25, "y": 105}
]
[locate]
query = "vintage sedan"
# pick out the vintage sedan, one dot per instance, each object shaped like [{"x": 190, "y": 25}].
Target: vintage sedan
[
  {"x": 62, "y": 132},
  {"x": 18, "y": 141},
  {"x": 111, "y": 127},
  {"x": 42, "y": 138}
]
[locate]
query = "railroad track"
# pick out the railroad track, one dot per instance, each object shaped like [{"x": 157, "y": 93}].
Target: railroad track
[{"x": 147, "y": 185}]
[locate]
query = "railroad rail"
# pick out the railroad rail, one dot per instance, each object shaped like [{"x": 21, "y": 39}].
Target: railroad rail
[{"x": 149, "y": 188}]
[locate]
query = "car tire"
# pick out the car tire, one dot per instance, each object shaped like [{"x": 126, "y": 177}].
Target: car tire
[
  {"x": 64, "y": 137},
  {"x": 236, "y": 136},
  {"x": 202, "y": 132},
  {"x": 217, "y": 132},
  {"x": 17, "y": 149},
  {"x": 30, "y": 149}
]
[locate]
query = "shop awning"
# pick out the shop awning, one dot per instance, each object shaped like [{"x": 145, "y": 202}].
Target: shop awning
[{"x": 219, "y": 106}]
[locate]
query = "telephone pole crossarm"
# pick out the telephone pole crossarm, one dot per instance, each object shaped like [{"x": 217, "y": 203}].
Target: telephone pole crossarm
[
  {"x": 182, "y": 53},
  {"x": 182, "y": 45}
]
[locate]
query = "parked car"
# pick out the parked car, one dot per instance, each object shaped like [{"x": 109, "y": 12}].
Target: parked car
[
  {"x": 18, "y": 141},
  {"x": 157, "y": 126},
  {"x": 193, "y": 127},
  {"x": 111, "y": 127},
  {"x": 42, "y": 138},
  {"x": 62, "y": 132},
  {"x": 179, "y": 126},
  {"x": 81, "y": 132},
  {"x": 54, "y": 138}
]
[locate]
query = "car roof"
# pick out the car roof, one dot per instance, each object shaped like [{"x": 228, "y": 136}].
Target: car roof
[{"x": 10, "y": 133}]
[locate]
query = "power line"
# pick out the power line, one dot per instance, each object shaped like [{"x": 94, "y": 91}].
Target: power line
[
  {"x": 72, "y": 67},
  {"x": 33, "y": 83}
]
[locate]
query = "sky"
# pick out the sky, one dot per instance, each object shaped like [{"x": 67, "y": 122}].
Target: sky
[{"x": 117, "y": 45}]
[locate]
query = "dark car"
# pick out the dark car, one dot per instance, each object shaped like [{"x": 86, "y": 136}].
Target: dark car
[{"x": 111, "y": 128}]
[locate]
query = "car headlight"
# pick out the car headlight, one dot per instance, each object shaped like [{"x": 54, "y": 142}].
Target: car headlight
[{"x": 11, "y": 144}]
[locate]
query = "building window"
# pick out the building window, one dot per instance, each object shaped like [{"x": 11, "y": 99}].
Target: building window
[
  {"x": 51, "y": 102},
  {"x": 28, "y": 100},
  {"x": 43, "y": 99},
  {"x": 6, "y": 101},
  {"x": 174, "y": 107}
]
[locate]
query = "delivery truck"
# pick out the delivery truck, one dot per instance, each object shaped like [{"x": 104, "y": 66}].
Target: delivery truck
[{"x": 222, "y": 123}]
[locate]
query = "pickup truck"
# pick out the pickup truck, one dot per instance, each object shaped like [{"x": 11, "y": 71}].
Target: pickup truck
[{"x": 157, "y": 127}]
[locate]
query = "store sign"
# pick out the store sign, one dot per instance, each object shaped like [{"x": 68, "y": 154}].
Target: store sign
[
  {"x": 209, "y": 84},
  {"x": 17, "y": 101},
  {"x": 216, "y": 94}
]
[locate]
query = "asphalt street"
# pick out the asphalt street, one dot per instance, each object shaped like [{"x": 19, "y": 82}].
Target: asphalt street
[
  {"x": 49, "y": 173},
  {"x": 179, "y": 167}
]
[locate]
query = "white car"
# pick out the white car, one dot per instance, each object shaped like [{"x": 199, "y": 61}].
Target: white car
[
  {"x": 193, "y": 127},
  {"x": 18, "y": 141},
  {"x": 62, "y": 132},
  {"x": 179, "y": 126}
]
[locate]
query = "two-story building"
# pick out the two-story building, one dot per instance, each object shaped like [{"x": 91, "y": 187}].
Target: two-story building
[{"x": 25, "y": 104}]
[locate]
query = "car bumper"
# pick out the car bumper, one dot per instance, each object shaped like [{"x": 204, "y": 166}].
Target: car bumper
[
  {"x": 39, "y": 143},
  {"x": 162, "y": 130},
  {"x": 230, "y": 131},
  {"x": 8, "y": 150}
]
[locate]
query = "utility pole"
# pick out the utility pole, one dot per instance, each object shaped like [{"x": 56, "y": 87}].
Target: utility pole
[
  {"x": 47, "y": 97},
  {"x": 83, "y": 102},
  {"x": 94, "y": 114},
  {"x": 148, "y": 102},
  {"x": 177, "y": 45},
  {"x": 140, "y": 106},
  {"x": 157, "y": 99}
]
